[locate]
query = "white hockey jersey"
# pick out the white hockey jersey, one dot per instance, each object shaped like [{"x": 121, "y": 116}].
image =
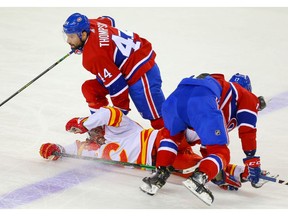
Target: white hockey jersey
[{"x": 126, "y": 140}]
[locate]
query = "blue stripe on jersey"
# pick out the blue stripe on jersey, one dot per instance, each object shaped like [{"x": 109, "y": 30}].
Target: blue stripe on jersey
[
  {"x": 119, "y": 58},
  {"x": 246, "y": 117},
  {"x": 139, "y": 65},
  {"x": 117, "y": 85},
  {"x": 233, "y": 102},
  {"x": 168, "y": 145},
  {"x": 111, "y": 19},
  {"x": 218, "y": 161},
  {"x": 123, "y": 35},
  {"x": 100, "y": 80}
]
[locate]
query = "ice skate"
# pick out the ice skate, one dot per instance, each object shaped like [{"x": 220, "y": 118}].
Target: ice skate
[{"x": 196, "y": 184}]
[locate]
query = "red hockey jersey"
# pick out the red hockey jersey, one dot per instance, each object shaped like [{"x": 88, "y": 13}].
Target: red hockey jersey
[
  {"x": 118, "y": 58},
  {"x": 240, "y": 108}
]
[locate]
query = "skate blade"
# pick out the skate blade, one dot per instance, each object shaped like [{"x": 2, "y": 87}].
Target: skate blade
[
  {"x": 204, "y": 196},
  {"x": 149, "y": 190}
]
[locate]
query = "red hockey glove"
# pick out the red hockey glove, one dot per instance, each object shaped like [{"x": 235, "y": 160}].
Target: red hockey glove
[
  {"x": 75, "y": 125},
  {"x": 48, "y": 150},
  {"x": 226, "y": 181},
  {"x": 252, "y": 169}
]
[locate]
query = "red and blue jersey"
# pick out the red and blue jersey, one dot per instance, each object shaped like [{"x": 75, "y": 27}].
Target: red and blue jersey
[
  {"x": 118, "y": 58},
  {"x": 240, "y": 108}
]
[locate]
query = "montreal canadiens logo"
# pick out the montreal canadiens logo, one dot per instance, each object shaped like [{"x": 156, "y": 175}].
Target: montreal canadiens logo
[{"x": 231, "y": 124}]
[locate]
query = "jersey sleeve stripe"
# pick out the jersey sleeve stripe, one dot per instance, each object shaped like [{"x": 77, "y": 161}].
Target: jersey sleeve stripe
[
  {"x": 138, "y": 65},
  {"x": 115, "y": 117},
  {"x": 145, "y": 135}
]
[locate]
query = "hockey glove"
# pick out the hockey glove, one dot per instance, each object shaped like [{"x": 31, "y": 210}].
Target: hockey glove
[
  {"x": 252, "y": 169},
  {"x": 77, "y": 51},
  {"x": 76, "y": 126},
  {"x": 262, "y": 103},
  {"x": 49, "y": 151},
  {"x": 226, "y": 181}
]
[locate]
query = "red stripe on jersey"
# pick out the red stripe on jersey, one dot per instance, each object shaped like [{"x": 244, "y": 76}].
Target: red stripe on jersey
[{"x": 149, "y": 98}]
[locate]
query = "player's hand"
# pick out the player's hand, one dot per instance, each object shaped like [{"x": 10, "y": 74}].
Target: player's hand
[
  {"x": 262, "y": 103},
  {"x": 77, "y": 51},
  {"x": 51, "y": 151},
  {"x": 226, "y": 181},
  {"x": 76, "y": 126},
  {"x": 252, "y": 169}
]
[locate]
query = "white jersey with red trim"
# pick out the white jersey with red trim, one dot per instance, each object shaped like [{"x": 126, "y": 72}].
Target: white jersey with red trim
[{"x": 125, "y": 141}]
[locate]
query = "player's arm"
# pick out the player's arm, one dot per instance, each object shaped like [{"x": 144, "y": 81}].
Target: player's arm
[
  {"x": 104, "y": 116},
  {"x": 52, "y": 151},
  {"x": 116, "y": 84},
  {"x": 247, "y": 119}
]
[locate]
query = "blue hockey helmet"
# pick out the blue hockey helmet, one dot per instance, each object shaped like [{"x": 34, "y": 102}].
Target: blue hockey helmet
[
  {"x": 76, "y": 24},
  {"x": 242, "y": 80}
]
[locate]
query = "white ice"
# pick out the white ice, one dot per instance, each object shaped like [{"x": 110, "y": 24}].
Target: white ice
[{"x": 187, "y": 41}]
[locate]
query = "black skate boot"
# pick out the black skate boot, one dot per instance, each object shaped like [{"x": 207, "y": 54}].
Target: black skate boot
[{"x": 156, "y": 181}]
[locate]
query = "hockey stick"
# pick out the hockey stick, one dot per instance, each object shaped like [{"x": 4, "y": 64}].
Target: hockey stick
[
  {"x": 112, "y": 162},
  {"x": 184, "y": 171},
  {"x": 29, "y": 83},
  {"x": 274, "y": 180}
]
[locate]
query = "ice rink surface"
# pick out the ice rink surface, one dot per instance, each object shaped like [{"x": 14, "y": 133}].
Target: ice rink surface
[{"x": 187, "y": 41}]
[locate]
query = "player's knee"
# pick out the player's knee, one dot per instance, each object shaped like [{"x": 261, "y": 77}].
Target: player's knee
[
  {"x": 222, "y": 151},
  {"x": 88, "y": 88}
]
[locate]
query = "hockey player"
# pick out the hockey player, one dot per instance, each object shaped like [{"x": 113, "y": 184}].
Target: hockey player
[
  {"x": 212, "y": 107},
  {"x": 114, "y": 136},
  {"x": 124, "y": 65}
]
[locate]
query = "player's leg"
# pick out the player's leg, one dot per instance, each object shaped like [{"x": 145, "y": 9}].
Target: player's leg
[
  {"x": 208, "y": 122},
  {"x": 148, "y": 97},
  {"x": 95, "y": 94}
]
